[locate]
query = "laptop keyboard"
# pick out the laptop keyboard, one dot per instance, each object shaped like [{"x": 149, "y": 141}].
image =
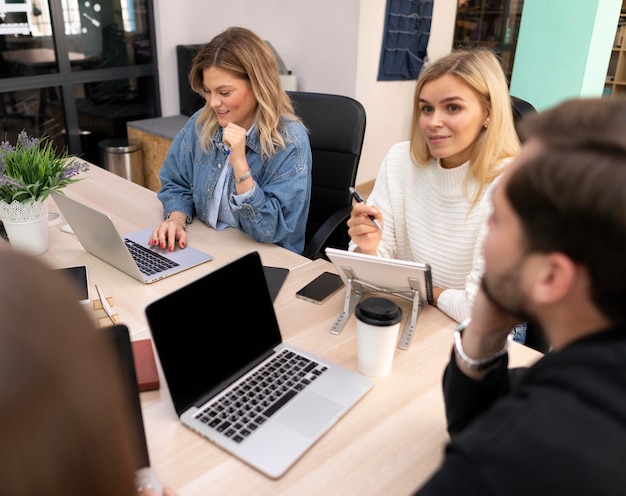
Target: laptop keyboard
[
  {"x": 148, "y": 261},
  {"x": 242, "y": 410}
]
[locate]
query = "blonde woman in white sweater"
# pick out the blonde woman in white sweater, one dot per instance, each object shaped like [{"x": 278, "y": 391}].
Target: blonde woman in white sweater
[{"x": 432, "y": 194}]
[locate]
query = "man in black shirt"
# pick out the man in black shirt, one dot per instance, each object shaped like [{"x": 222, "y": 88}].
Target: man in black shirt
[{"x": 554, "y": 256}]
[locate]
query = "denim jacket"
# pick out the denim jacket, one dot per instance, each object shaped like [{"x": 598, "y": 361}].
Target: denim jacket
[{"x": 274, "y": 211}]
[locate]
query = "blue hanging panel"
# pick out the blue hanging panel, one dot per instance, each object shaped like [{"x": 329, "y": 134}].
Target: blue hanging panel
[{"x": 407, "y": 29}]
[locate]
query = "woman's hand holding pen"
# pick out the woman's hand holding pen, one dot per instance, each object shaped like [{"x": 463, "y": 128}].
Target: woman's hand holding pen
[
  {"x": 362, "y": 229},
  {"x": 234, "y": 138}
]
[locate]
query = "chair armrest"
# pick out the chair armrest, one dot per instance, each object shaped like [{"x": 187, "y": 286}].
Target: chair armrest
[{"x": 313, "y": 249}]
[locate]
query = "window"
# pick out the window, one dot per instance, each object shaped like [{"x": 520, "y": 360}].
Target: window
[{"x": 76, "y": 70}]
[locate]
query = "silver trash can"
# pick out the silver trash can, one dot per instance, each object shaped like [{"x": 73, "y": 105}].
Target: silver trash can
[{"x": 123, "y": 158}]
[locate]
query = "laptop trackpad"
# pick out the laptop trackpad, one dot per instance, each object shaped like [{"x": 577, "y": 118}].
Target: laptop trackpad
[{"x": 309, "y": 413}]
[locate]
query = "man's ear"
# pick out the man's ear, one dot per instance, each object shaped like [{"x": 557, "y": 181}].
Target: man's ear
[{"x": 555, "y": 279}]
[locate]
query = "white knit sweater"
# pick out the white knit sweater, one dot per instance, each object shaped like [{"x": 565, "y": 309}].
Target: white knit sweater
[{"x": 427, "y": 219}]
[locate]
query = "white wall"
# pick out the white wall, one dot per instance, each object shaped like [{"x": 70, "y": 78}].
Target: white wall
[
  {"x": 389, "y": 104},
  {"x": 331, "y": 46},
  {"x": 316, "y": 38}
]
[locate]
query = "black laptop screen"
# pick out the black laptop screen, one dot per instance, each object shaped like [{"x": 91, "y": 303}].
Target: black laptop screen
[{"x": 213, "y": 330}]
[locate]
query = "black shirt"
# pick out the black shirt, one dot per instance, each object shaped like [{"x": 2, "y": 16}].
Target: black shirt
[{"x": 558, "y": 428}]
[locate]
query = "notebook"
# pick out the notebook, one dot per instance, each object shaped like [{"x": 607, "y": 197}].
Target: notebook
[
  {"x": 219, "y": 378},
  {"x": 145, "y": 365},
  {"x": 131, "y": 254},
  {"x": 120, "y": 338}
]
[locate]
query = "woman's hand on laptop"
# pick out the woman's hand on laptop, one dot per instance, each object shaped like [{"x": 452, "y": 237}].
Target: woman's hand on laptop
[{"x": 169, "y": 231}]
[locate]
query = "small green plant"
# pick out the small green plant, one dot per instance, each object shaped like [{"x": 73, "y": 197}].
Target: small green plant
[{"x": 32, "y": 168}]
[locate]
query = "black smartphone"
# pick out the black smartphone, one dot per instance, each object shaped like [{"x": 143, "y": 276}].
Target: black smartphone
[
  {"x": 79, "y": 276},
  {"x": 321, "y": 288}
]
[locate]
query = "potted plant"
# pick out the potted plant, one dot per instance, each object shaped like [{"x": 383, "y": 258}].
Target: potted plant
[{"x": 29, "y": 171}]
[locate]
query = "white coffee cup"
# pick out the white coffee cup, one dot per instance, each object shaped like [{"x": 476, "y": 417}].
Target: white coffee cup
[{"x": 377, "y": 323}]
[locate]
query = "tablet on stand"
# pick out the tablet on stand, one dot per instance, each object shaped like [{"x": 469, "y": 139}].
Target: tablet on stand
[{"x": 363, "y": 274}]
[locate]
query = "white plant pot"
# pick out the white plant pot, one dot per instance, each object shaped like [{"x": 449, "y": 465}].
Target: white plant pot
[{"x": 26, "y": 225}]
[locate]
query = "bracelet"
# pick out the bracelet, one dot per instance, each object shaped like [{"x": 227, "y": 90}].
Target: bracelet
[
  {"x": 244, "y": 177},
  {"x": 470, "y": 363},
  {"x": 183, "y": 223}
]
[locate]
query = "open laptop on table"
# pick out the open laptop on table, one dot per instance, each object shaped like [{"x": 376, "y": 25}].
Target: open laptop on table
[
  {"x": 221, "y": 377},
  {"x": 130, "y": 254},
  {"x": 120, "y": 338}
]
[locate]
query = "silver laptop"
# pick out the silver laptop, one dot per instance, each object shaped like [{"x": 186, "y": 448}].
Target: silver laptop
[
  {"x": 131, "y": 253},
  {"x": 120, "y": 339},
  {"x": 263, "y": 400}
]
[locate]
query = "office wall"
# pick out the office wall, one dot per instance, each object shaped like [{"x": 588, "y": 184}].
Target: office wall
[
  {"x": 317, "y": 39},
  {"x": 563, "y": 52},
  {"x": 331, "y": 46},
  {"x": 389, "y": 104}
]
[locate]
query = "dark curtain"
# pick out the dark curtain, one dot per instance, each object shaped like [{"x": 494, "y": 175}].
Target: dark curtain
[{"x": 407, "y": 29}]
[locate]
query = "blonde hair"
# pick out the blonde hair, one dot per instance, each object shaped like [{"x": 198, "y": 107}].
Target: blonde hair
[
  {"x": 479, "y": 69},
  {"x": 242, "y": 53}
]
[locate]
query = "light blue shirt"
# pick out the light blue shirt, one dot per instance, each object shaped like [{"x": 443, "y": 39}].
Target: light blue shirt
[
  {"x": 220, "y": 216},
  {"x": 274, "y": 211}
]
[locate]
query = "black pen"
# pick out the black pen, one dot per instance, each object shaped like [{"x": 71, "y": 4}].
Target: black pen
[{"x": 359, "y": 199}]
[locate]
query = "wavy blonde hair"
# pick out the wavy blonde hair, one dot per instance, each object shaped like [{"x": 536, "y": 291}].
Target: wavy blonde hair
[
  {"x": 242, "y": 53},
  {"x": 479, "y": 69}
]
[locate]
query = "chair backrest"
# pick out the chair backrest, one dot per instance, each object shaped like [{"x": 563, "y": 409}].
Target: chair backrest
[
  {"x": 521, "y": 108},
  {"x": 534, "y": 337},
  {"x": 336, "y": 127}
]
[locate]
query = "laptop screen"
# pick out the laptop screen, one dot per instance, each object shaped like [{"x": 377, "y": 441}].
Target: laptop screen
[{"x": 214, "y": 330}]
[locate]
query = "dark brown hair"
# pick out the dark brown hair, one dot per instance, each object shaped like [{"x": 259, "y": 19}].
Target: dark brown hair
[
  {"x": 64, "y": 417},
  {"x": 571, "y": 196}
]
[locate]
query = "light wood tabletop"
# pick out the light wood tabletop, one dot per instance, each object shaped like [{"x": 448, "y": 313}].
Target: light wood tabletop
[
  {"x": 388, "y": 443},
  {"x": 133, "y": 207}
]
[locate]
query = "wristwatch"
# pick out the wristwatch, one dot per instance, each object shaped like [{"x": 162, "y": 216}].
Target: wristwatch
[{"x": 470, "y": 363}]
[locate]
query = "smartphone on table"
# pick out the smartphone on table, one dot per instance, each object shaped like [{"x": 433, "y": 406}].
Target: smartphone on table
[
  {"x": 78, "y": 275},
  {"x": 321, "y": 288}
]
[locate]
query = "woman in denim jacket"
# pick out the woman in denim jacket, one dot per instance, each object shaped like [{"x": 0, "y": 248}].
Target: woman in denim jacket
[{"x": 242, "y": 160}]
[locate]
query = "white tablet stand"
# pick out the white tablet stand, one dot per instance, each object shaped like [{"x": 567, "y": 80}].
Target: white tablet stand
[{"x": 356, "y": 288}]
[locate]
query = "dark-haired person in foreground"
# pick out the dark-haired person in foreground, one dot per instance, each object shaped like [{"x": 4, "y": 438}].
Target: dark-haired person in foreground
[
  {"x": 65, "y": 421},
  {"x": 554, "y": 255}
]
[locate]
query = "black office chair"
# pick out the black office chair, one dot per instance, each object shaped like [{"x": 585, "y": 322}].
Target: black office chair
[
  {"x": 336, "y": 127},
  {"x": 534, "y": 336},
  {"x": 521, "y": 109}
]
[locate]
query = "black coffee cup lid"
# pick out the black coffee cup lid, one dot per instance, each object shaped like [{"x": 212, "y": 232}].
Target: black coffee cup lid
[{"x": 378, "y": 311}]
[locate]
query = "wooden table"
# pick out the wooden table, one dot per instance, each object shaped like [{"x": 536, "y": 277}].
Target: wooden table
[
  {"x": 133, "y": 207},
  {"x": 389, "y": 443}
]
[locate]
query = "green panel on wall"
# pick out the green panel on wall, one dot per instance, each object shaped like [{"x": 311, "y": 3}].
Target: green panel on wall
[{"x": 563, "y": 49}]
